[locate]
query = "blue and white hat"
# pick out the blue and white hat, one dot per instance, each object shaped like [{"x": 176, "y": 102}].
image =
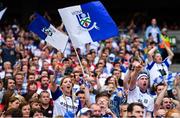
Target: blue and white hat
[
  {"x": 83, "y": 111},
  {"x": 142, "y": 74},
  {"x": 112, "y": 57}
]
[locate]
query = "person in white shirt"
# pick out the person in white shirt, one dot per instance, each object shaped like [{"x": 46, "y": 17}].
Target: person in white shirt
[
  {"x": 138, "y": 89},
  {"x": 64, "y": 100},
  {"x": 158, "y": 67}
]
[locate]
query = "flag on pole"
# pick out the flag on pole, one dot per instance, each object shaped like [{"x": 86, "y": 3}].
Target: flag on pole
[
  {"x": 2, "y": 12},
  {"x": 48, "y": 32},
  {"x": 88, "y": 22}
]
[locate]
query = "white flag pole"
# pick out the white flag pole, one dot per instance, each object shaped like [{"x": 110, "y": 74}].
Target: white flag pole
[{"x": 79, "y": 60}]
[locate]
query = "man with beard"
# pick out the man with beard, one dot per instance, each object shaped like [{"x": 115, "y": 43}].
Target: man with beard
[
  {"x": 138, "y": 89},
  {"x": 44, "y": 85},
  {"x": 9, "y": 85}
]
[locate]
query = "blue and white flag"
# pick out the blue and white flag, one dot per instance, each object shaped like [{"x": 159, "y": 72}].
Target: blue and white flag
[
  {"x": 170, "y": 80},
  {"x": 88, "y": 22},
  {"x": 2, "y": 12},
  {"x": 48, "y": 32}
]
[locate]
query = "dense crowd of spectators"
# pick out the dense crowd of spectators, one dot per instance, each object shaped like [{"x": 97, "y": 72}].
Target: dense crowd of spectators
[{"x": 123, "y": 76}]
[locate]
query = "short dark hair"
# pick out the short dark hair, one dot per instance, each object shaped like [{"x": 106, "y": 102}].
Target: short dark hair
[
  {"x": 80, "y": 92},
  {"x": 31, "y": 74},
  {"x": 43, "y": 77},
  {"x": 31, "y": 83},
  {"x": 115, "y": 70},
  {"x": 92, "y": 51},
  {"x": 68, "y": 71},
  {"x": 65, "y": 59},
  {"x": 102, "y": 94},
  {"x": 131, "y": 106},
  {"x": 160, "y": 84},
  {"x": 43, "y": 71},
  {"x": 33, "y": 111}
]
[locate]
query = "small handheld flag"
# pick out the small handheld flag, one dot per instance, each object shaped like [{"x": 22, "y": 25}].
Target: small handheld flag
[{"x": 48, "y": 32}]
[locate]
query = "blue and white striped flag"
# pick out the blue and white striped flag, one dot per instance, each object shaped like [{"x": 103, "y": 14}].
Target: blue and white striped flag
[
  {"x": 2, "y": 12},
  {"x": 158, "y": 80},
  {"x": 48, "y": 32},
  {"x": 87, "y": 23},
  {"x": 170, "y": 80}
]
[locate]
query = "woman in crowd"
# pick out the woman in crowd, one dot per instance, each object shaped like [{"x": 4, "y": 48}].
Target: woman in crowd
[
  {"x": 31, "y": 90},
  {"x": 63, "y": 97},
  {"x": 14, "y": 102},
  {"x": 25, "y": 109}
]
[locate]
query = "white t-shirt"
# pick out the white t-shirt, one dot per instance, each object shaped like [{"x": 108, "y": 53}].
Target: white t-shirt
[
  {"x": 64, "y": 104},
  {"x": 136, "y": 95},
  {"x": 154, "y": 68},
  {"x": 154, "y": 32},
  {"x": 2, "y": 74}
]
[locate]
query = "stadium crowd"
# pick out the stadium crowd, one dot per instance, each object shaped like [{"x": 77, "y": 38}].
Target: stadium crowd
[{"x": 123, "y": 76}]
